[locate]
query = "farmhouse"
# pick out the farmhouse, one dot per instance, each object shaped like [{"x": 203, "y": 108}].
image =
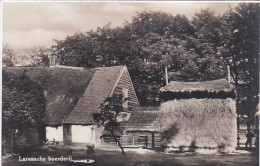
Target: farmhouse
[
  {"x": 78, "y": 126},
  {"x": 199, "y": 114},
  {"x": 72, "y": 94},
  {"x": 62, "y": 88}
]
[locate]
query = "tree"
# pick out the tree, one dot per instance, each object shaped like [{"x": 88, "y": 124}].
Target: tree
[
  {"x": 107, "y": 117},
  {"x": 73, "y": 50},
  {"x": 37, "y": 55},
  {"x": 241, "y": 52},
  {"x": 151, "y": 41},
  {"x": 147, "y": 80},
  {"x": 8, "y": 56},
  {"x": 110, "y": 46},
  {"x": 209, "y": 31},
  {"x": 23, "y": 104},
  {"x": 34, "y": 56},
  {"x": 151, "y": 22},
  {"x": 181, "y": 26}
]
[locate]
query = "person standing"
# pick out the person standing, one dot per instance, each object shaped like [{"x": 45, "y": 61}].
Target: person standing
[
  {"x": 256, "y": 131},
  {"x": 249, "y": 137}
]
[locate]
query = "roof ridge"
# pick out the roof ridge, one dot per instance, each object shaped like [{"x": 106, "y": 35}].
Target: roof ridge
[
  {"x": 104, "y": 67},
  {"x": 207, "y": 86},
  {"x": 208, "y": 81},
  {"x": 120, "y": 75}
]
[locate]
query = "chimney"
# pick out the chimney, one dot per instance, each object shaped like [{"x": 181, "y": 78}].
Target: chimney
[
  {"x": 228, "y": 72},
  {"x": 166, "y": 75}
]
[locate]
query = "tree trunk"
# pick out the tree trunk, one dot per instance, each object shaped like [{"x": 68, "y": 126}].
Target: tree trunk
[
  {"x": 118, "y": 142},
  {"x": 235, "y": 77},
  {"x": 248, "y": 125},
  {"x": 10, "y": 139}
]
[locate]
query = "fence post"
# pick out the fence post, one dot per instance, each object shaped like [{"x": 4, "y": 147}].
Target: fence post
[
  {"x": 152, "y": 139},
  {"x": 133, "y": 140},
  {"x": 146, "y": 141}
]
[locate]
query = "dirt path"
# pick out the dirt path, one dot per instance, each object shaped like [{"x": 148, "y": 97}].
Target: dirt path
[{"x": 113, "y": 157}]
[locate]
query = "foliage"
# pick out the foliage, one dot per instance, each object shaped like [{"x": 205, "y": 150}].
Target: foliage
[
  {"x": 153, "y": 40},
  {"x": 241, "y": 52},
  {"x": 73, "y": 50},
  {"x": 107, "y": 117},
  {"x": 193, "y": 50},
  {"x": 23, "y": 104},
  {"x": 147, "y": 81},
  {"x": 7, "y": 56},
  {"x": 151, "y": 22},
  {"x": 23, "y": 100},
  {"x": 207, "y": 42},
  {"x": 37, "y": 55},
  {"x": 34, "y": 56}
]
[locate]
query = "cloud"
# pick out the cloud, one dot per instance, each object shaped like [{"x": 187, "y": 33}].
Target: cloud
[
  {"x": 27, "y": 16},
  {"x": 20, "y": 39},
  {"x": 38, "y": 23}
]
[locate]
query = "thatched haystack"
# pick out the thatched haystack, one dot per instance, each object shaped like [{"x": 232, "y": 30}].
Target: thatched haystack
[
  {"x": 205, "y": 122},
  {"x": 199, "y": 122}
]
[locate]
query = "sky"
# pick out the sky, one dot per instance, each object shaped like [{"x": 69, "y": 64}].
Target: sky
[{"x": 28, "y": 24}]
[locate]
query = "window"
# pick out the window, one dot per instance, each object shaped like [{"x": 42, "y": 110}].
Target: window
[
  {"x": 125, "y": 92},
  {"x": 125, "y": 95}
]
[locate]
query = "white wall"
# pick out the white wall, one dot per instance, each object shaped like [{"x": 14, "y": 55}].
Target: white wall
[
  {"x": 56, "y": 133},
  {"x": 82, "y": 134}
]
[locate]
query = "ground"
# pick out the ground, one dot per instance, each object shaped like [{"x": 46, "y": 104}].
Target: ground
[{"x": 136, "y": 157}]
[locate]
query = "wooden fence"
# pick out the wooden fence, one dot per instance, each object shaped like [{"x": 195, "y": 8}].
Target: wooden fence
[
  {"x": 134, "y": 140},
  {"x": 144, "y": 140}
]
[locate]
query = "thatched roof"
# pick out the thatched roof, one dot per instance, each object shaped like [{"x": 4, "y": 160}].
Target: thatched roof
[
  {"x": 210, "y": 86},
  {"x": 62, "y": 87},
  {"x": 220, "y": 88},
  {"x": 100, "y": 87},
  {"x": 143, "y": 119}
]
